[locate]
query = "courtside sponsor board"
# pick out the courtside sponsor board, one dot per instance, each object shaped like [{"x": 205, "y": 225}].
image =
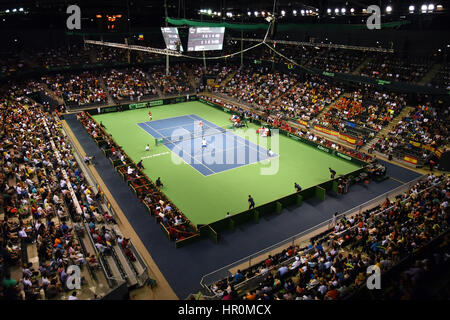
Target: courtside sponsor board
[
  {"x": 343, "y": 156},
  {"x": 323, "y": 148},
  {"x": 156, "y": 103},
  {"x": 138, "y": 105},
  {"x": 108, "y": 109},
  {"x": 141, "y": 105},
  {"x": 293, "y": 136}
]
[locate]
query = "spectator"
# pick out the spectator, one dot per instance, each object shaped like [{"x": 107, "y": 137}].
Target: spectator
[{"x": 251, "y": 202}]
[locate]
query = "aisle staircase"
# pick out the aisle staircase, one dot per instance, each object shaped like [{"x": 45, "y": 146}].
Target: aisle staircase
[
  {"x": 29, "y": 61},
  {"x": 191, "y": 78},
  {"x": 384, "y": 132},
  {"x": 430, "y": 75},
  {"x": 227, "y": 79},
  {"x": 277, "y": 100},
  {"x": 119, "y": 266},
  {"x": 327, "y": 108},
  {"x": 92, "y": 54},
  {"x": 362, "y": 65},
  {"x": 105, "y": 89},
  {"x": 52, "y": 94}
]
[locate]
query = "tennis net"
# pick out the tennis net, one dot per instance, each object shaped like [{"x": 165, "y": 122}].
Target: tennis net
[{"x": 208, "y": 131}]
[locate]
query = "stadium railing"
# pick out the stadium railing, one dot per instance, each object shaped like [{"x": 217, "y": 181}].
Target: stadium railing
[
  {"x": 143, "y": 276},
  {"x": 301, "y": 239},
  {"x": 250, "y": 283}
]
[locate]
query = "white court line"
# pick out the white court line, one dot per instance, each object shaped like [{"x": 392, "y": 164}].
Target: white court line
[
  {"x": 179, "y": 126},
  {"x": 234, "y": 148},
  {"x": 238, "y": 165},
  {"x": 213, "y": 126},
  {"x": 193, "y": 157},
  {"x": 249, "y": 145},
  {"x": 243, "y": 144},
  {"x": 244, "y": 165},
  {"x": 155, "y": 155},
  {"x": 146, "y": 131},
  {"x": 152, "y": 121},
  {"x": 189, "y": 123},
  {"x": 145, "y": 123},
  {"x": 177, "y": 154}
]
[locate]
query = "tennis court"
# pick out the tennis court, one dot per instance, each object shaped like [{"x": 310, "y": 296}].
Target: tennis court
[
  {"x": 224, "y": 150},
  {"x": 206, "y": 197}
]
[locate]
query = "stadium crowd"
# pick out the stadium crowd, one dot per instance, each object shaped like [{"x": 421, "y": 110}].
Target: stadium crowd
[
  {"x": 109, "y": 54},
  {"x": 10, "y": 64},
  {"x": 442, "y": 77},
  {"x": 129, "y": 84},
  {"x": 424, "y": 129},
  {"x": 258, "y": 86},
  {"x": 334, "y": 264},
  {"x": 33, "y": 203},
  {"x": 276, "y": 121},
  {"x": 41, "y": 185},
  {"x": 306, "y": 99},
  {"x": 337, "y": 60},
  {"x": 367, "y": 108},
  {"x": 60, "y": 57},
  {"x": 386, "y": 66},
  {"x": 176, "y": 82},
  {"x": 77, "y": 89},
  {"x": 326, "y": 59}
]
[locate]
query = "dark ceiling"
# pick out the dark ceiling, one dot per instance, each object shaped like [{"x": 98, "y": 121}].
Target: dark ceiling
[{"x": 151, "y": 13}]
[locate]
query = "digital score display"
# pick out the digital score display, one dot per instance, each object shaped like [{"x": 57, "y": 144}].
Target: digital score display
[
  {"x": 205, "y": 38},
  {"x": 172, "y": 38}
]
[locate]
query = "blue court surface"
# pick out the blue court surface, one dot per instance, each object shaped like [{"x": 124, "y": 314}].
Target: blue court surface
[{"x": 223, "y": 151}]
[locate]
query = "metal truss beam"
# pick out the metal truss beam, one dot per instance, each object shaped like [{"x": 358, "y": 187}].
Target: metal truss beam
[
  {"x": 312, "y": 44},
  {"x": 134, "y": 47}
]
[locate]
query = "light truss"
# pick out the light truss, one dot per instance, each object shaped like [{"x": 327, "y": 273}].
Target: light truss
[
  {"x": 134, "y": 47},
  {"x": 312, "y": 44}
]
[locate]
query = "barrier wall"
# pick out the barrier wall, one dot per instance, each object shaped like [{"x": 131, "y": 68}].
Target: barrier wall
[
  {"x": 142, "y": 104},
  {"x": 276, "y": 206}
]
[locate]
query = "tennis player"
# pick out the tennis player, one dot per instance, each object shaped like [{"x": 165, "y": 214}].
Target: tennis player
[
  {"x": 200, "y": 125},
  {"x": 203, "y": 143},
  {"x": 147, "y": 147},
  {"x": 150, "y": 115}
]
